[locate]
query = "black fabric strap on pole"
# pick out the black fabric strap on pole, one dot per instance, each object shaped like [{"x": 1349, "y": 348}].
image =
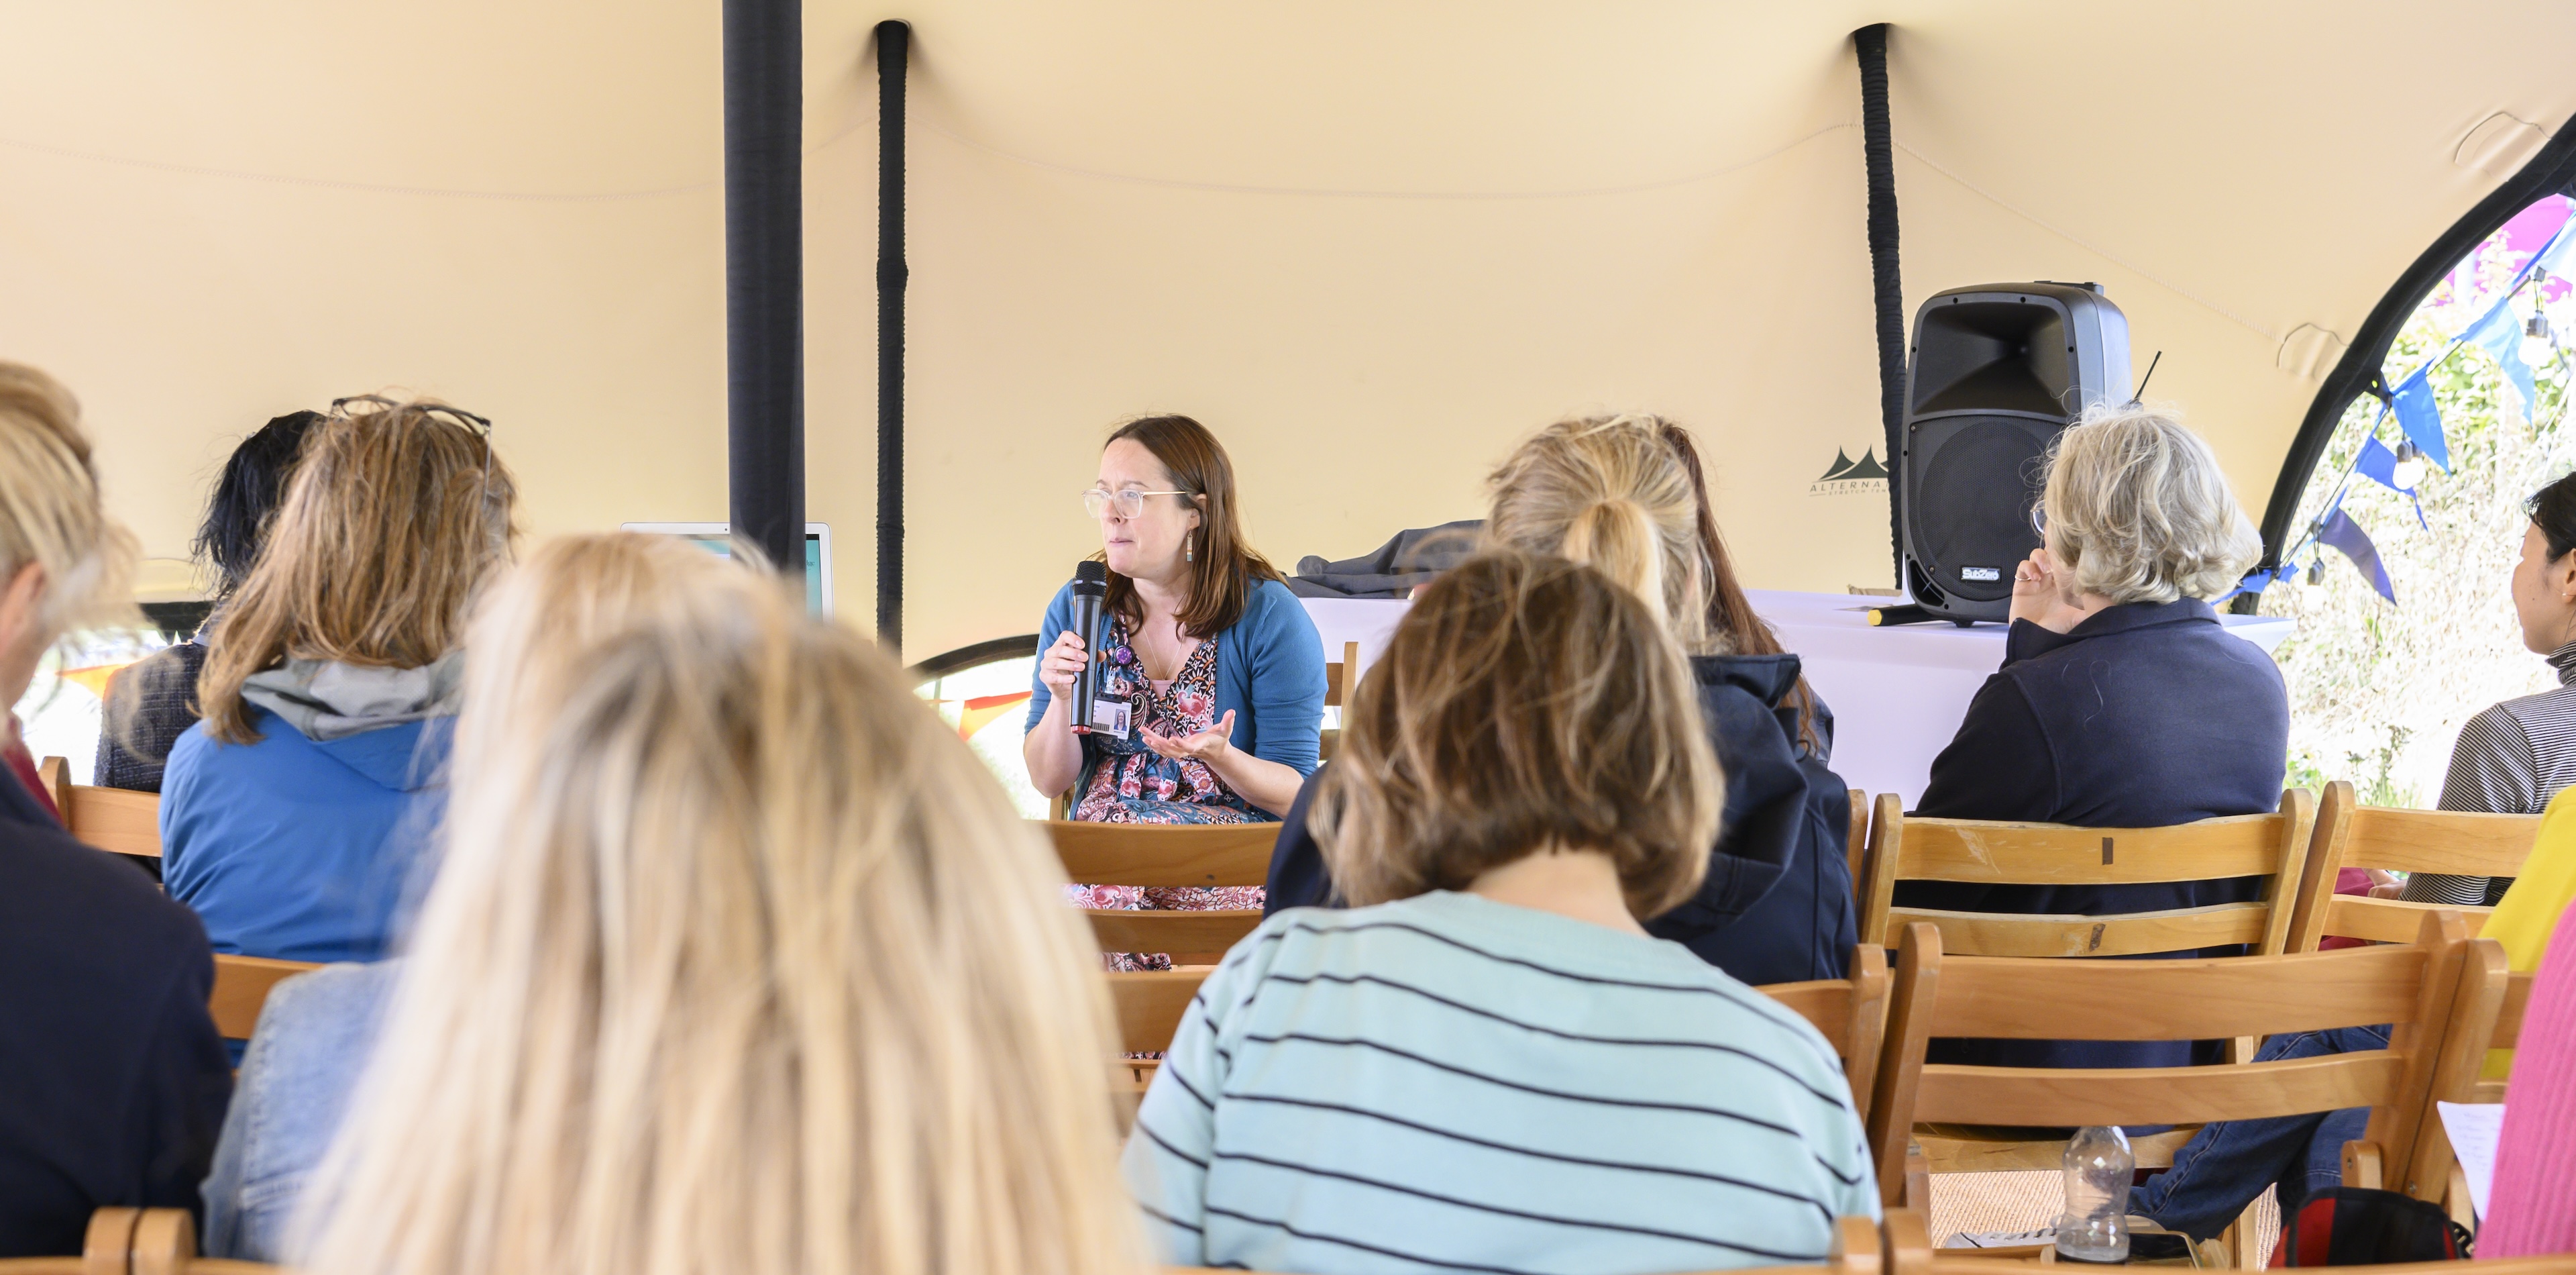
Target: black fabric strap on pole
[
  {"x": 894, "y": 48},
  {"x": 764, "y": 108},
  {"x": 1886, "y": 286}
]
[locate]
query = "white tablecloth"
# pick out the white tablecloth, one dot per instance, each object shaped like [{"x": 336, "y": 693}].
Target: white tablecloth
[{"x": 1897, "y": 693}]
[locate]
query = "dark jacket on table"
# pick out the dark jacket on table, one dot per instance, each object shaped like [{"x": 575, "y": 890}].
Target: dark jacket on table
[
  {"x": 163, "y": 687},
  {"x": 2143, "y": 716},
  {"x": 1777, "y": 904},
  {"x": 112, "y": 1080}
]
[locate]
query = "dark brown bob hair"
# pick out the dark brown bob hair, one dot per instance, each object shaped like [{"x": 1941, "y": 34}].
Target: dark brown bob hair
[
  {"x": 1524, "y": 703},
  {"x": 1225, "y": 569}
]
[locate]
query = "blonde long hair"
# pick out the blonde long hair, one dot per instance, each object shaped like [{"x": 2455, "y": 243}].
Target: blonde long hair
[
  {"x": 50, "y": 512},
  {"x": 737, "y": 962},
  {"x": 1608, "y": 491},
  {"x": 391, "y": 522}
]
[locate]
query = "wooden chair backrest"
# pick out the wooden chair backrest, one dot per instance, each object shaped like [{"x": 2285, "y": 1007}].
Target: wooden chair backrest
[
  {"x": 242, "y": 984},
  {"x": 1851, "y": 1012},
  {"x": 1341, "y": 677},
  {"x": 1171, "y": 855},
  {"x": 1995, "y": 853},
  {"x": 1856, "y": 846},
  {"x": 1150, "y": 1005},
  {"x": 55, "y": 773},
  {"x": 115, "y": 819},
  {"x": 2419, "y": 988},
  {"x": 133, "y": 1241},
  {"x": 2352, "y": 835}
]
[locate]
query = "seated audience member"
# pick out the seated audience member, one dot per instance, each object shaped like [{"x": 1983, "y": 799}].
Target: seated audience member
[
  {"x": 2514, "y": 757},
  {"x": 112, "y": 1080},
  {"x": 152, "y": 702},
  {"x": 2531, "y": 1205},
  {"x": 1625, "y": 495},
  {"x": 2226, "y": 1165},
  {"x": 291, "y": 815},
  {"x": 315, "y": 1030},
  {"x": 1486, "y": 1062},
  {"x": 2121, "y": 702},
  {"x": 1220, "y": 671},
  {"x": 736, "y": 960}
]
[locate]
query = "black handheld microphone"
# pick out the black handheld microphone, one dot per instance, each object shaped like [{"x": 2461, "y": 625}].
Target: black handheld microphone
[{"x": 1090, "y": 590}]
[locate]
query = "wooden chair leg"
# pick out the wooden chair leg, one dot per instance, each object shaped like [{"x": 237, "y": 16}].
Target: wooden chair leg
[{"x": 1918, "y": 1178}]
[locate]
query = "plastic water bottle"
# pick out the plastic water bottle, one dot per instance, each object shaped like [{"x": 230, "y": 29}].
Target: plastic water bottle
[{"x": 2095, "y": 1226}]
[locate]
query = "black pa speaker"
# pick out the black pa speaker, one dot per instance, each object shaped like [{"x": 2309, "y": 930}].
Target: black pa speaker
[{"x": 1995, "y": 371}]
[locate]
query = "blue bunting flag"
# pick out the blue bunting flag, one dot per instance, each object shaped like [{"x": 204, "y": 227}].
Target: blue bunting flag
[
  {"x": 2499, "y": 333},
  {"x": 2347, "y": 538},
  {"x": 2421, "y": 418},
  {"x": 2379, "y": 464}
]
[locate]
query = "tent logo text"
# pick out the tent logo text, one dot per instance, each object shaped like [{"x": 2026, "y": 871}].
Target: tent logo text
[{"x": 1848, "y": 477}]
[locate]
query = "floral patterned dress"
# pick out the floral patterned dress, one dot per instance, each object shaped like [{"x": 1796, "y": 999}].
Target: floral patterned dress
[{"x": 1134, "y": 784}]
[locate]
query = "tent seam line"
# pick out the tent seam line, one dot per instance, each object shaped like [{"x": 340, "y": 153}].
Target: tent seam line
[{"x": 2185, "y": 293}]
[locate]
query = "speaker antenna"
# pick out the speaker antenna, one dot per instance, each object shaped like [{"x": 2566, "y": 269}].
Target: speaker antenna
[{"x": 2151, "y": 375}]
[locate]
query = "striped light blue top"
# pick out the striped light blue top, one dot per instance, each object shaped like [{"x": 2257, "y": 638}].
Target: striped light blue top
[{"x": 1451, "y": 1083}]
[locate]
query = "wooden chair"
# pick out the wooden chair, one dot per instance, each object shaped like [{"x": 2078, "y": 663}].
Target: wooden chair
[
  {"x": 2437, "y": 1163},
  {"x": 1167, "y": 855},
  {"x": 132, "y": 1241},
  {"x": 1851, "y": 1012},
  {"x": 2431, "y": 990},
  {"x": 1909, "y": 849},
  {"x": 242, "y": 985},
  {"x": 1149, "y": 1006},
  {"x": 108, "y": 818},
  {"x": 2352, "y": 835},
  {"x": 1340, "y": 679},
  {"x": 1856, "y": 845}
]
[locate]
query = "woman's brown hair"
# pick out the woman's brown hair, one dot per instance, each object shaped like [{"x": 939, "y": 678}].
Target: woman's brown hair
[
  {"x": 1525, "y": 703},
  {"x": 1730, "y": 613},
  {"x": 392, "y": 520},
  {"x": 1224, "y": 568}
]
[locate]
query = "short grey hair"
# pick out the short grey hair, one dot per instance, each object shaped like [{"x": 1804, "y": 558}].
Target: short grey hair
[{"x": 2139, "y": 511}]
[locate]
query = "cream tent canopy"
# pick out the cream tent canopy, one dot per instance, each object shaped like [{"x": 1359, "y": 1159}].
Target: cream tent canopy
[{"x": 1370, "y": 243}]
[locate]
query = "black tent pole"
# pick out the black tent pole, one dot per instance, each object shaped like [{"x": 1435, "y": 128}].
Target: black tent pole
[
  {"x": 1886, "y": 286},
  {"x": 764, "y": 103},
  {"x": 894, "y": 48}
]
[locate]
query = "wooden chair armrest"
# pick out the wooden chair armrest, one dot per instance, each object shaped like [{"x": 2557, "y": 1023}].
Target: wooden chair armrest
[{"x": 2361, "y": 1165}]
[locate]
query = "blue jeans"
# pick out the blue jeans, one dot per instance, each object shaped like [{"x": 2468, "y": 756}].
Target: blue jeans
[{"x": 2226, "y": 1165}]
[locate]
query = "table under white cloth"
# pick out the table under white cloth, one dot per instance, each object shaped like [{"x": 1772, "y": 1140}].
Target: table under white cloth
[{"x": 1897, "y": 693}]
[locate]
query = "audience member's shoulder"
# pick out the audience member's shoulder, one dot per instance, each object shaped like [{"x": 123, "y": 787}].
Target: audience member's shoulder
[{"x": 70, "y": 884}]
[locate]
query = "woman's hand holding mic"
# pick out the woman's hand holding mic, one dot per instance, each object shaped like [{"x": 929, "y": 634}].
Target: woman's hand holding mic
[{"x": 1062, "y": 664}]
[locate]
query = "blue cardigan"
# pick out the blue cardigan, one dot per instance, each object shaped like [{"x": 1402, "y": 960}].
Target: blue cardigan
[
  {"x": 1269, "y": 674},
  {"x": 300, "y": 849}
]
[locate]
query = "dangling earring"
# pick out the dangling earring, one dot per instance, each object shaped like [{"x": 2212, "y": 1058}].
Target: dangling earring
[{"x": 1189, "y": 548}]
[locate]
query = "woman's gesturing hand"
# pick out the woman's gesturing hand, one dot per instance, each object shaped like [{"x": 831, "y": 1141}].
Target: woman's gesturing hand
[
  {"x": 1208, "y": 746},
  {"x": 2041, "y": 596},
  {"x": 1062, "y": 663}
]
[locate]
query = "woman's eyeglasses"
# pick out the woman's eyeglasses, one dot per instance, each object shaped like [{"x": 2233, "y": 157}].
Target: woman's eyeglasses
[{"x": 1129, "y": 503}]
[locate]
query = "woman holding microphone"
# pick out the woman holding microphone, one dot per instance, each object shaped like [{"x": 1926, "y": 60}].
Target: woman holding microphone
[{"x": 1219, "y": 670}]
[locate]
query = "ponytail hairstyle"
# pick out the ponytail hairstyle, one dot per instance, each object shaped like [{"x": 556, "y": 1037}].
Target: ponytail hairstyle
[{"x": 1608, "y": 492}]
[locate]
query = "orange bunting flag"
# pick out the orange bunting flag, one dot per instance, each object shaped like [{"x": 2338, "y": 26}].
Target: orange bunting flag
[
  {"x": 977, "y": 713},
  {"x": 97, "y": 677}
]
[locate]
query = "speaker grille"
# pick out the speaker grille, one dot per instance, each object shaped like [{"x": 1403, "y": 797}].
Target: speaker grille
[{"x": 1970, "y": 506}]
